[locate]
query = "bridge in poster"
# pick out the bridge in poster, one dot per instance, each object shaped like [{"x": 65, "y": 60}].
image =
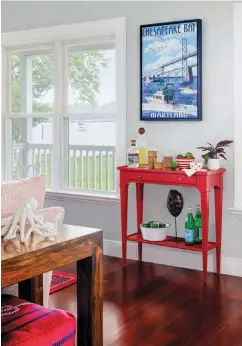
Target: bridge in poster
[{"x": 185, "y": 70}]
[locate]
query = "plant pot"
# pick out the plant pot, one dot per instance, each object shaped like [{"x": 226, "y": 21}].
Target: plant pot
[{"x": 213, "y": 164}]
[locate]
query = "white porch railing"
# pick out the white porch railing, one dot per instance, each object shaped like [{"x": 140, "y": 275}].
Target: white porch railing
[
  {"x": 90, "y": 167},
  {"x": 18, "y": 161}
]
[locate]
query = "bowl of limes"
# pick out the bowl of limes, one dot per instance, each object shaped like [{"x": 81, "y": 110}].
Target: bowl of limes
[
  {"x": 183, "y": 161},
  {"x": 154, "y": 230}
]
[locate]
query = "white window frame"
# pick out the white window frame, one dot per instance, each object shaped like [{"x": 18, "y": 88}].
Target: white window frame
[
  {"x": 63, "y": 34},
  {"x": 237, "y": 107}
]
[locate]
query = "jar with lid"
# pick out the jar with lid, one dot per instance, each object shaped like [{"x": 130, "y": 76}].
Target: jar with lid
[
  {"x": 167, "y": 160},
  {"x": 152, "y": 157}
]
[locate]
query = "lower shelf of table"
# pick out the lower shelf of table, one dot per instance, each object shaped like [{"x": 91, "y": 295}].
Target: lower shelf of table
[{"x": 137, "y": 237}]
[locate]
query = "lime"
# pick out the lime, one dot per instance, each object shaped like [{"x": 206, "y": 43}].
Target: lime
[
  {"x": 189, "y": 155},
  {"x": 173, "y": 165},
  {"x": 180, "y": 156}
]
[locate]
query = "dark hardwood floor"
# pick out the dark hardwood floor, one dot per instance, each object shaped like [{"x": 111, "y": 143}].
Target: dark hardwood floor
[{"x": 151, "y": 304}]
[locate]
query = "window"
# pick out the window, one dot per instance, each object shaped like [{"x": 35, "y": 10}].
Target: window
[
  {"x": 92, "y": 101},
  {"x": 65, "y": 105},
  {"x": 31, "y": 108}
]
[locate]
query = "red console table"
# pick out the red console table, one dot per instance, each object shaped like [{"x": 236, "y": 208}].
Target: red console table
[{"x": 204, "y": 181}]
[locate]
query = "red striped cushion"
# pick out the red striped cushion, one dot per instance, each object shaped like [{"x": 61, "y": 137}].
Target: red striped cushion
[{"x": 24, "y": 323}]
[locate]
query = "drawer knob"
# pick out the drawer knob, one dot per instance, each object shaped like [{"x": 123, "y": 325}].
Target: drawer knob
[
  {"x": 139, "y": 176},
  {"x": 180, "y": 179}
]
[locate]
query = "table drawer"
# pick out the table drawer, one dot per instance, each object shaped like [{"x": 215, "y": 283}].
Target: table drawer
[{"x": 161, "y": 178}]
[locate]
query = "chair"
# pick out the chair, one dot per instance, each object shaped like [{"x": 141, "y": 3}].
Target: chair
[
  {"x": 13, "y": 194},
  {"x": 28, "y": 324}
]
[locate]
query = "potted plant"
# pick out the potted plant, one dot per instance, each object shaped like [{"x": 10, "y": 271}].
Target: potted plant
[{"x": 213, "y": 153}]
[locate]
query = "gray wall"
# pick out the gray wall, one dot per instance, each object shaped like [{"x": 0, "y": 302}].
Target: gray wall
[{"x": 169, "y": 137}]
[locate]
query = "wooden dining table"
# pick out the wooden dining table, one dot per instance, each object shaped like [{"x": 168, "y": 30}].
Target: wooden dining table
[{"x": 25, "y": 264}]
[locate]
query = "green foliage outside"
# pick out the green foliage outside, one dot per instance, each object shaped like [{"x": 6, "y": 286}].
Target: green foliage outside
[{"x": 84, "y": 78}]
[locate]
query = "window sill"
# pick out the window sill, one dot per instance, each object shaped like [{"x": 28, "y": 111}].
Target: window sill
[
  {"x": 83, "y": 198},
  {"x": 237, "y": 212}
]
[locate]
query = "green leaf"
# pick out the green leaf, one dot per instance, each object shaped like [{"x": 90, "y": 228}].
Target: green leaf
[{"x": 210, "y": 155}]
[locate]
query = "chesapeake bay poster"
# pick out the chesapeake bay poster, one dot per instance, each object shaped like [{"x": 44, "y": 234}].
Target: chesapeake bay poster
[{"x": 171, "y": 55}]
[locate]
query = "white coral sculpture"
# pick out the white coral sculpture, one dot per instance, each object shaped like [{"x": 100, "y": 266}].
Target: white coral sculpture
[{"x": 25, "y": 215}]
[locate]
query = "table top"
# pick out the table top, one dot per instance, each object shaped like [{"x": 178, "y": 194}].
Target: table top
[
  {"x": 13, "y": 248},
  {"x": 169, "y": 171},
  {"x": 22, "y": 261}
]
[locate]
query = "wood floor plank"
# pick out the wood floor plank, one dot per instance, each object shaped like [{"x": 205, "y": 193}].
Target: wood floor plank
[{"x": 148, "y": 304}]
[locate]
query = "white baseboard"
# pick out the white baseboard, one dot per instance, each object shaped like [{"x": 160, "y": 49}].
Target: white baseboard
[{"x": 176, "y": 258}]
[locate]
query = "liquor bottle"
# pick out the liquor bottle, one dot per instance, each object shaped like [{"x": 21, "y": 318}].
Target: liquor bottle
[
  {"x": 189, "y": 228},
  {"x": 143, "y": 148},
  {"x": 198, "y": 225},
  {"x": 133, "y": 155}
]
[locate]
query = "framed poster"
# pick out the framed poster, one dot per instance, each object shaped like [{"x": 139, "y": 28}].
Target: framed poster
[{"x": 171, "y": 71}]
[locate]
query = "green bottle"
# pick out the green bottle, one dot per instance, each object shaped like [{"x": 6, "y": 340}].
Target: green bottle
[
  {"x": 189, "y": 228},
  {"x": 198, "y": 226}
]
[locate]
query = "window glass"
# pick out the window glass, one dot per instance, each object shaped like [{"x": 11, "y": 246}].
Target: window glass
[
  {"x": 32, "y": 83},
  {"x": 91, "y": 81},
  {"x": 91, "y": 158},
  {"x": 31, "y": 147},
  {"x": 42, "y": 83}
]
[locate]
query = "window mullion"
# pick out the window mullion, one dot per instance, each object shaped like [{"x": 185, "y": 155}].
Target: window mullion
[
  {"x": 28, "y": 123},
  {"x": 29, "y": 115},
  {"x": 8, "y": 124},
  {"x": 26, "y": 106},
  {"x": 4, "y": 137},
  {"x": 92, "y": 116},
  {"x": 58, "y": 85},
  {"x": 65, "y": 122},
  {"x": 23, "y": 83},
  {"x": 121, "y": 98}
]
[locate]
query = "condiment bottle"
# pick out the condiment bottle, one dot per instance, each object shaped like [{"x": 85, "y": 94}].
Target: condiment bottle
[
  {"x": 133, "y": 155},
  {"x": 189, "y": 228},
  {"x": 143, "y": 148}
]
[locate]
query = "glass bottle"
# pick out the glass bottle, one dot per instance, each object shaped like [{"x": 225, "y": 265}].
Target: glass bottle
[
  {"x": 198, "y": 225},
  {"x": 133, "y": 155},
  {"x": 189, "y": 228},
  {"x": 143, "y": 148}
]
